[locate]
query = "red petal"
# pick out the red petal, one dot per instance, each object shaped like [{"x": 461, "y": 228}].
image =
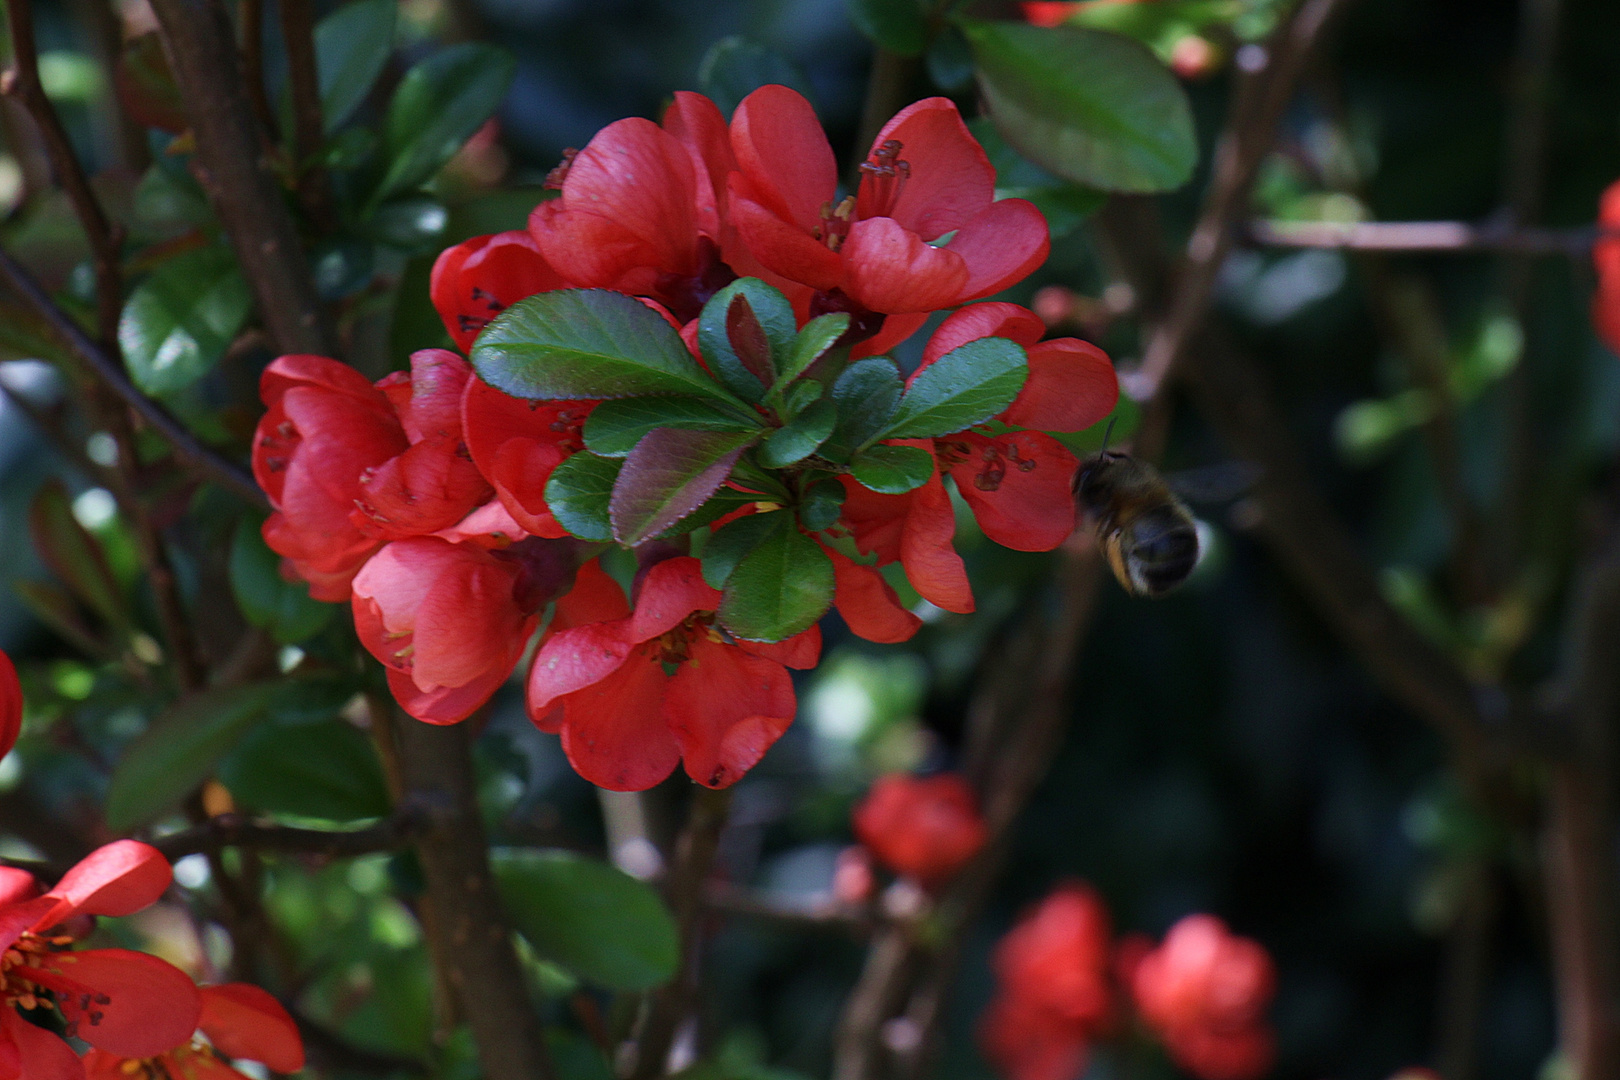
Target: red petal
[
  {"x": 932, "y": 565},
  {"x": 468, "y": 627},
  {"x": 399, "y": 577},
  {"x": 16, "y": 887},
  {"x": 429, "y": 487},
  {"x": 476, "y": 280},
  {"x": 1001, "y": 246},
  {"x": 780, "y": 245},
  {"x": 11, "y": 705},
  {"x": 671, "y": 591},
  {"x": 100, "y": 1065},
  {"x": 801, "y": 651},
  {"x": 595, "y": 597},
  {"x": 1606, "y": 253},
  {"x": 981, "y": 321},
  {"x": 321, "y": 372},
  {"x": 697, "y": 124},
  {"x": 950, "y": 178},
  {"x": 516, "y": 443},
  {"x": 445, "y": 704},
  {"x": 923, "y": 828},
  {"x": 115, "y": 879},
  {"x": 491, "y": 527},
  {"x": 876, "y": 521},
  {"x": 614, "y": 732},
  {"x": 1048, "y": 13},
  {"x": 1026, "y": 1042},
  {"x": 896, "y": 328},
  {"x": 244, "y": 1021},
  {"x": 1071, "y": 386},
  {"x": 438, "y": 377},
  {"x": 593, "y": 251},
  {"x": 38, "y": 1055},
  {"x": 784, "y": 155},
  {"x": 726, "y": 707},
  {"x": 152, "y": 1005},
  {"x": 867, "y": 603},
  {"x": 1021, "y": 502},
  {"x": 890, "y": 269},
  {"x": 576, "y": 658}
]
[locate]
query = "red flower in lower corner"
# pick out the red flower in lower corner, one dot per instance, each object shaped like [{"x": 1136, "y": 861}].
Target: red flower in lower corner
[
  {"x": 126, "y": 1003},
  {"x": 1204, "y": 990},
  {"x": 239, "y": 1020},
  {"x": 632, "y": 694},
  {"x": 926, "y": 828}
]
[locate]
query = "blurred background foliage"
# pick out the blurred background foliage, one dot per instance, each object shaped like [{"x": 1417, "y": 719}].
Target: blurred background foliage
[{"x": 1225, "y": 754}]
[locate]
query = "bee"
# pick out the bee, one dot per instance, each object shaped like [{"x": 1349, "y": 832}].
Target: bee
[{"x": 1147, "y": 533}]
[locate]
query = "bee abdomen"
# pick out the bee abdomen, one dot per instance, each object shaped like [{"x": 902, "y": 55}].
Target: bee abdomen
[{"x": 1163, "y": 550}]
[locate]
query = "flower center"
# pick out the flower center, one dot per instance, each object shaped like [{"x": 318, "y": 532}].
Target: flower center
[
  {"x": 685, "y": 295},
  {"x": 675, "y": 646},
  {"x": 15, "y": 985},
  {"x": 996, "y": 458},
  {"x": 835, "y": 222},
  {"x": 883, "y": 178}
]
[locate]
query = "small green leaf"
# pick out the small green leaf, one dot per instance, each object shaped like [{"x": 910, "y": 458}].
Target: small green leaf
[
  {"x": 867, "y": 394},
  {"x": 74, "y": 555},
  {"x": 180, "y": 749},
  {"x": 439, "y": 104},
  {"x": 351, "y": 47},
  {"x": 892, "y": 470},
  {"x": 578, "y": 495},
  {"x": 821, "y": 504},
  {"x": 1092, "y": 107},
  {"x": 896, "y": 25},
  {"x": 966, "y": 386},
  {"x": 800, "y": 437},
  {"x": 775, "y": 317},
  {"x": 812, "y": 343},
  {"x": 727, "y": 546},
  {"x": 668, "y": 475},
  {"x": 323, "y": 770},
  {"x": 614, "y": 427},
  {"x": 779, "y": 589},
  {"x": 733, "y": 68},
  {"x": 574, "y": 344},
  {"x": 598, "y": 922},
  {"x": 268, "y": 600},
  {"x": 179, "y": 322},
  {"x": 802, "y": 395}
]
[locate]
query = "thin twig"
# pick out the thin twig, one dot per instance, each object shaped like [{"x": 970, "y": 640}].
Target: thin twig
[
  {"x": 1423, "y": 237},
  {"x": 725, "y": 898},
  {"x": 298, "y": 32},
  {"x": 234, "y": 830}
]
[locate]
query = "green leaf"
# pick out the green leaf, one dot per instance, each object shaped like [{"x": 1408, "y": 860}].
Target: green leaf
[
  {"x": 268, "y": 600},
  {"x": 74, "y": 555},
  {"x": 668, "y": 475},
  {"x": 439, "y": 104},
  {"x": 598, "y": 922},
  {"x": 811, "y": 344},
  {"x": 966, "y": 386},
  {"x": 733, "y": 68},
  {"x": 614, "y": 427},
  {"x": 589, "y": 343},
  {"x": 867, "y": 394},
  {"x": 1064, "y": 205},
  {"x": 179, "y": 751},
  {"x": 727, "y": 546},
  {"x": 411, "y": 223},
  {"x": 800, "y": 437},
  {"x": 578, "y": 495},
  {"x": 325, "y": 770},
  {"x": 179, "y": 322},
  {"x": 779, "y": 589},
  {"x": 1092, "y": 107},
  {"x": 802, "y": 395},
  {"x": 821, "y": 504},
  {"x": 775, "y": 317},
  {"x": 892, "y": 470},
  {"x": 351, "y": 46},
  {"x": 896, "y": 25}
]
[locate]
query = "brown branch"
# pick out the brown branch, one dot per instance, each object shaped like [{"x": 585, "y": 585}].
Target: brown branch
[
  {"x": 234, "y": 830},
  {"x": 252, "y": 17},
  {"x": 236, "y": 171},
  {"x": 725, "y": 898},
  {"x": 309, "y": 130},
  {"x": 1423, "y": 237}
]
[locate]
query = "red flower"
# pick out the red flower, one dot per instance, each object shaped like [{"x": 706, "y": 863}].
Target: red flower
[
  {"x": 517, "y": 443},
  {"x": 477, "y": 279},
  {"x": 1205, "y": 991},
  {"x": 348, "y": 465},
  {"x": 866, "y": 602},
  {"x": 126, "y": 1003},
  {"x": 633, "y": 693},
  {"x": 1048, "y": 13},
  {"x": 11, "y": 705},
  {"x": 926, "y": 177},
  {"x": 915, "y": 528},
  {"x": 1054, "y": 994},
  {"x": 1606, "y": 259},
  {"x": 922, "y": 828},
  {"x": 240, "y": 1021}
]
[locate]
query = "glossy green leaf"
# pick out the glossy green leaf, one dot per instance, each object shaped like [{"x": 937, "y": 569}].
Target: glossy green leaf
[
  {"x": 180, "y": 749},
  {"x": 733, "y": 68},
  {"x": 966, "y": 386},
  {"x": 268, "y": 600},
  {"x": 74, "y": 555},
  {"x": 598, "y": 922},
  {"x": 896, "y": 25},
  {"x": 439, "y": 104},
  {"x": 800, "y": 437},
  {"x": 614, "y": 427},
  {"x": 778, "y": 589},
  {"x": 1092, "y": 107},
  {"x": 812, "y": 343},
  {"x": 892, "y": 470},
  {"x": 775, "y": 316},
  {"x": 728, "y": 545},
  {"x": 579, "y": 492},
  {"x": 351, "y": 47},
  {"x": 668, "y": 475},
  {"x": 867, "y": 394},
  {"x": 180, "y": 320},
  {"x": 589, "y": 343},
  {"x": 821, "y": 504},
  {"x": 325, "y": 770}
]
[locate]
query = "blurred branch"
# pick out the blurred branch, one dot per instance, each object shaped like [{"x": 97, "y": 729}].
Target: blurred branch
[
  {"x": 1423, "y": 237},
  {"x": 330, "y": 1052},
  {"x": 298, "y": 32},
  {"x": 728, "y": 899},
  {"x": 252, "y": 17},
  {"x": 234, "y": 830}
]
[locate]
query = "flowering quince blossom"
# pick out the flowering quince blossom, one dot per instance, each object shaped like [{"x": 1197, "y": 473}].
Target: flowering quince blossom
[
  {"x": 239, "y": 1020},
  {"x": 1606, "y": 260},
  {"x": 926, "y": 828},
  {"x": 476, "y": 280},
  {"x": 1054, "y": 994},
  {"x": 633, "y": 693},
  {"x": 125, "y": 1003},
  {"x": 1204, "y": 990},
  {"x": 517, "y": 445}
]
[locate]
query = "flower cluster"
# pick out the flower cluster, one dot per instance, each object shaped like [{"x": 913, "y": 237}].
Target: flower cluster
[
  {"x": 1064, "y": 985},
  {"x": 923, "y": 828},
  {"x": 683, "y": 354},
  {"x": 1606, "y": 260}
]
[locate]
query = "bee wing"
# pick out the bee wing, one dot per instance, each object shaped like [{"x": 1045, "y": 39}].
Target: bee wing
[{"x": 1218, "y": 483}]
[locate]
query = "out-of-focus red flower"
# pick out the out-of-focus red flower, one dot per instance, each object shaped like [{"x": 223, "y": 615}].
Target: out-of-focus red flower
[
  {"x": 450, "y": 620},
  {"x": 516, "y": 444},
  {"x": 633, "y": 693},
  {"x": 123, "y": 1002},
  {"x": 872, "y": 253},
  {"x": 11, "y": 705},
  {"x": 349, "y": 466},
  {"x": 240, "y": 1021},
  {"x": 925, "y": 828},
  {"x": 1054, "y": 994},
  {"x": 853, "y": 880},
  {"x": 477, "y": 279},
  {"x": 1606, "y": 259},
  {"x": 1205, "y": 990},
  {"x": 1048, "y": 13}
]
